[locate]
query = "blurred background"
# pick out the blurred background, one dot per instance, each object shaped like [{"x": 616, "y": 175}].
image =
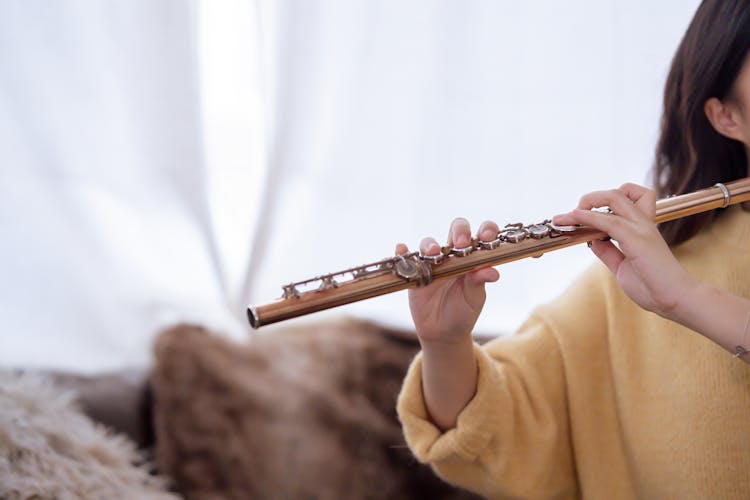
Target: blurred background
[{"x": 176, "y": 160}]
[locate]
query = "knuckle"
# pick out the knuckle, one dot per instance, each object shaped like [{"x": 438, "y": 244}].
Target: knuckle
[
  {"x": 616, "y": 194},
  {"x": 616, "y": 223},
  {"x": 642, "y": 233},
  {"x": 594, "y": 199}
]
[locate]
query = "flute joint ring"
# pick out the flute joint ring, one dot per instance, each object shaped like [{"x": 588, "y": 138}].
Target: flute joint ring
[{"x": 727, "y": 196}]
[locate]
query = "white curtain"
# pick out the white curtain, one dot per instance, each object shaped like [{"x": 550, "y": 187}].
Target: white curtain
[
  {"x": 174, "y": 160},
  {"x": 106, "y": 230}
]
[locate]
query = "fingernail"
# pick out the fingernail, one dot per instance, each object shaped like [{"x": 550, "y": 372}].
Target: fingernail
[
  {"x": 462, "y": 241},
  {"x": 433, "y": 248}
]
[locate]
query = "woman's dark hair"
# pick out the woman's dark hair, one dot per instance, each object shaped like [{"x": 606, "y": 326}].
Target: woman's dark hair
[{"x": 691, "y": 154}]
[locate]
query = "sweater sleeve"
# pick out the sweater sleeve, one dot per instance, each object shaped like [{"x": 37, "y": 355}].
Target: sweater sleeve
[{"x": 513, "y": 438}]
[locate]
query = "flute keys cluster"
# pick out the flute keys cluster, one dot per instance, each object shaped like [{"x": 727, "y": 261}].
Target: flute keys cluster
[
  {"x": 511, "y": 233},
  {"x": 416, "y": 267},
  {"x": 334, "y": 280}
]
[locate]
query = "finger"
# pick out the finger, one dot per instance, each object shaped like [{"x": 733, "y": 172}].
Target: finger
[
  {"x": 615, "y": 226},
  {"x": 488, "y": 231},
  {"x": 567, "y": 219},
  {"x": 608, "y": 253},
  {"x": 459, "y": 235},
  {"x": 643, "y": 198},
  {"x": 401, "y": 249},
  {"x": 614, "y": 199},
  {"x": 579, "y": 217},
  {"x": 428, "y": 246}
]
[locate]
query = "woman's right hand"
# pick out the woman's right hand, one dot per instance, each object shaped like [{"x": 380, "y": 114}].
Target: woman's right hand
[
  {"x": 641, "y": 262},
  {"x": 446, "y": 311}
]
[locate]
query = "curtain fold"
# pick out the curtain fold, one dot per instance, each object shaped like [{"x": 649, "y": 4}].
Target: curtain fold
[{"x": 106, "y": 225}]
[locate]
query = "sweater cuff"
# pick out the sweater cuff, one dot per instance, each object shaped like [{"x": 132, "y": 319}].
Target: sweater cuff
[{"x": 474, "y": 425}]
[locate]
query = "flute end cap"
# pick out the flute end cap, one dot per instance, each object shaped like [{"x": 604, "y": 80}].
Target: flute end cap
[{"x": 252, "y": 317}]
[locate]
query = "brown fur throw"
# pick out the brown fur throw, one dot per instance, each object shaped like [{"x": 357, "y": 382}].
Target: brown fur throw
[
  {"x": 49, "y": 449},
  {"x": 302, "y": 413}
]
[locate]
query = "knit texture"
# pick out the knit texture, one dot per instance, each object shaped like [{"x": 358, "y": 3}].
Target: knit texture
[{"x": 596, "y": 398}]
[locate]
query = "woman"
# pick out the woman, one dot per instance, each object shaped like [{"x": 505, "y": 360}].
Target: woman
[{"x": 623, "y": 387}]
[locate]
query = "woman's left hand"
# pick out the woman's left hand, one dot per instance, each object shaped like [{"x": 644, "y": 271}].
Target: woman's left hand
[{"x": 643, "y": 264}]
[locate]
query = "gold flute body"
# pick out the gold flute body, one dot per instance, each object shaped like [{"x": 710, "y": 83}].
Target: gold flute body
[{"x": 514, "y": 242}]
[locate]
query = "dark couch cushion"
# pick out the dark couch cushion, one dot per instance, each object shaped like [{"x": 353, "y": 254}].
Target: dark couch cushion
[{"x": 302, "y": 413}]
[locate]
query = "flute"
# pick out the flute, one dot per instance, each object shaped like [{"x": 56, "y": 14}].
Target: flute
[{"x": 513, "y": 242}]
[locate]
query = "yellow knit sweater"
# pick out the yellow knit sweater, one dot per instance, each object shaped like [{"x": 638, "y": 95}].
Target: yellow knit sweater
[{"x": 597, "y": 398}]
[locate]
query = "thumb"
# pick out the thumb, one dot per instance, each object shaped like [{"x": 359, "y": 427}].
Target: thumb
[
  {"x": 474, "y": 282},
  {"x": 608, "y": 253},
  {"x": 481, "y": 276}
]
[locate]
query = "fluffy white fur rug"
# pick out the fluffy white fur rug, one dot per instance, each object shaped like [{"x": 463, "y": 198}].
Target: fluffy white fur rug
[{"x": 49, "y": 449}]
